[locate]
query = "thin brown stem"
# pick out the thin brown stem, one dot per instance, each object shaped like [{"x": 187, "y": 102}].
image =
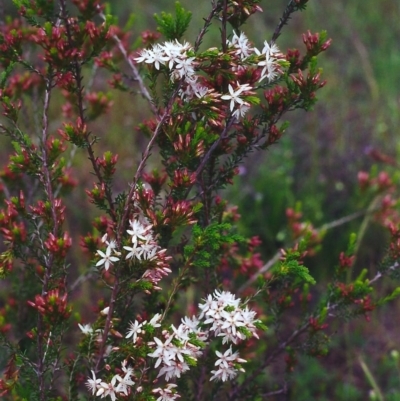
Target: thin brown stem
[
  {"x": 289, "y": 10},
  {"x": 325, "y": 227},
  {"x": 46, "y": 180},
  {"x": 136, "y": 76},
  {"x": 107, "y": 325},
  {"x": 330, "y": 308},
  {"x": 214, "y": 146},
  {"x": 207, "y": 22},
  {"x": 282, "y": 346},
  {"x": 81, "y": 110},
  {"x": 223, "y": 28}
]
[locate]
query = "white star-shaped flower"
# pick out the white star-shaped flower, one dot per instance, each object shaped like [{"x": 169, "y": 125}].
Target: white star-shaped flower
[
  {"x": 107, "y": 259},
  {"x": 138, "y": 231},
  {"x": 234, "y": 95},
  {"x": 86, "y": 329},
  {"x": 93, "y": 383},
  {"x": 135, "y": 328}
]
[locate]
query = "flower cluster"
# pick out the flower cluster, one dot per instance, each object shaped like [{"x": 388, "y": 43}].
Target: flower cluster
[
  {"x": 178, "y": 348},
  {"x": 136, "y": 328},
  {"x": 143, "y": 247},
  {"x": 270, "y": 56},
  {"x": 167, "y": 393},
  {"x": 174, "y": 353},
  {"x": 228, "y": 318},
  {"x": 241, "y": 45},
  {"x": 119, "y": 385},
  {"x": 181, "y": 62}
]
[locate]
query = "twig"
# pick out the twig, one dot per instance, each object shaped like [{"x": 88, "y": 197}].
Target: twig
[
  {"x": 323, "y": 228},
  {"x": 107, "y": 324},
  {"x": 223, "y": 135},
  {"x": 47, "y": 184},
  {"x": 223, "y": 29},
  {"x": 289, "y": 10},
  {"x": 136, "y": 76},
  {"x": 276, "y": 392},
  {"x": 207, "y": 22},
  {"x": 282, "y": 346},
  {"x": 79, "y": 89}
]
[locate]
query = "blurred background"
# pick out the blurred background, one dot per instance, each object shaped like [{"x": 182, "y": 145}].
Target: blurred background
[{"x": 315, "y": 164}]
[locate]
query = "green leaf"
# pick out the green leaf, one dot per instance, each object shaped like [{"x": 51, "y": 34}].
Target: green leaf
[
  {"x": 173, "y": 28},
  {"x": 293, "y": 269},
  {"x": 395, "y": 294}
]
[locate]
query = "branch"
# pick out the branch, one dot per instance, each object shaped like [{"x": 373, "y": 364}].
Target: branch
[
  {"x": 207, "y": 22},
  {"x": 289, "y": 10},
  {"x": 46, "y": 181},
  {"x": 323, "y": 228},
  {"x": 223, "y": 29},
  {"x": 136, "y": 76},
  {"x": 79, "y": 89},
  {"x": 282, "y": 346}
]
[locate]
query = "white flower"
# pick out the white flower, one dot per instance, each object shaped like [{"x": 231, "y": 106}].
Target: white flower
[
  {"x": 234, "y": 95},
  {"x": 223, "y": 312},
  {"x": 191, "y": 325},
  {"x": 241, "y": 111},
  {"x": 155, "y": 319},
  {"x": 107, "y": 259},
  {"x": 224, "y": 374},
  {"x": 162, "y": 352},
  {"x": 154, "y": 55},
  {"x": 124, "y": 382},
  {"x": 134, "y": 329},
  {"x": 105, "y": 389},
  {"x": 138, "y": 231},
  {"x": 105, "y": 311},
  {"x": 149, "y": 250},
  {"x": 174, "y": 52},
  {"x": 176, "y": 352},
  {"x": 226, "y": 365},
  {"x": 270, "y": 66},
  {"x": 184, "y": 68},
  {"x": 86, "y": 329},
  {"x": 241, "y": 43},
  {"x": 193, "y": 88},
  {"x": 227, "y": 298},
  {"x": 93, "y": 383},
  {"x": 134, "y": 251},
  {"x": 174, "y": 369},
  {"x": 227, "y": 358},
  {"x": 248, "y": 317},
  {"x": 209, "y": 304},
  {"x": 166, "y": 394},
  {"x": 270, "y": 49},
  {"x": 271, "y": 73},
  {"x": 232, "y": 320}
]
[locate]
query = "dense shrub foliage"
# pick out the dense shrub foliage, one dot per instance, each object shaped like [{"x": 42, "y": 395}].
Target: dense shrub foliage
[{"x": 146, "y": 289}]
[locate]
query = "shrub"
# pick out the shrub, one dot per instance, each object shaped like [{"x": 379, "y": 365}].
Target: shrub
[{"x": 182, "y": 304}]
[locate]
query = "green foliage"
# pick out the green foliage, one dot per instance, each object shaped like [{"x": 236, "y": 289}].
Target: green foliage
[
  {"x": 4, "y": 75},
  {"x": 173, "y": 28},
  {"x": 391, "y": 297},
  {"x": 292, "y": 269},
  {"x": 203, "y": 252},
  {"x": 44, "y": 8}
]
